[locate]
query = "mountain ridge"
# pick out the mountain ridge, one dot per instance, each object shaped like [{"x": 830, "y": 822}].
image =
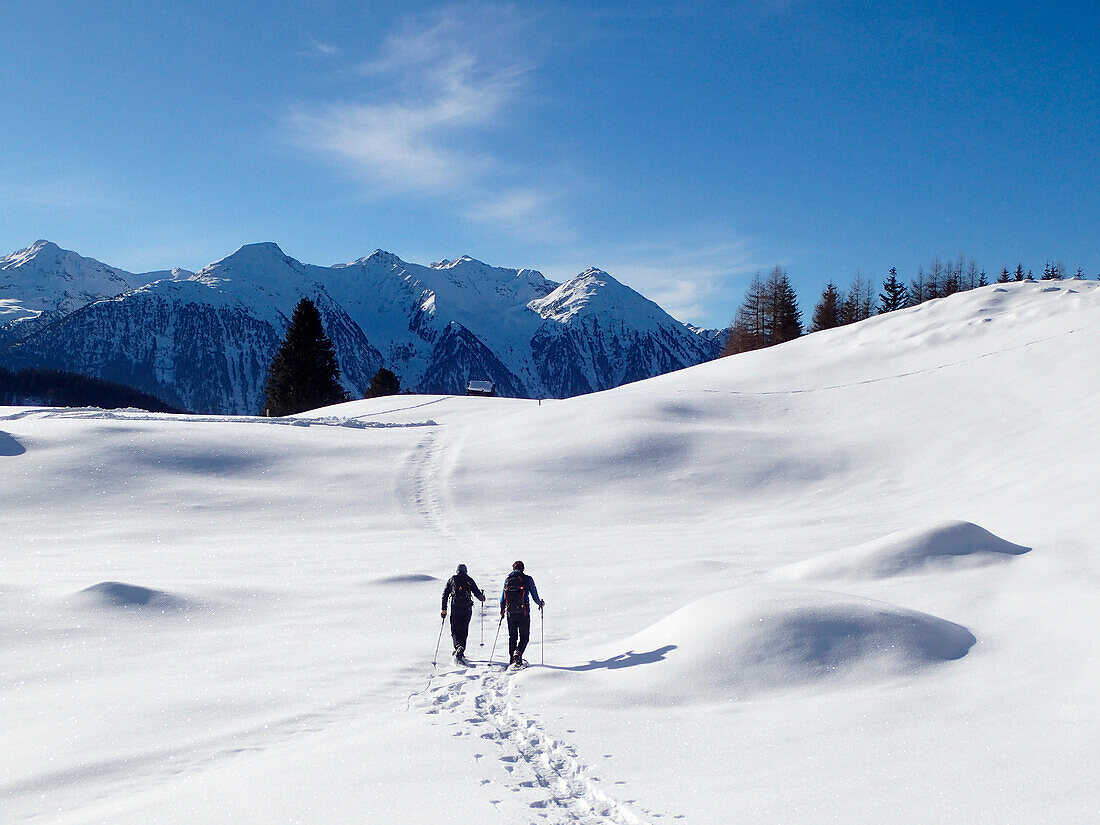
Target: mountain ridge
[{"x": 203, "y": 340}]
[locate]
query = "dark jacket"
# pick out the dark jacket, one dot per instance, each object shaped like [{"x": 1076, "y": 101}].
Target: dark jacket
[{"x": 460, "y": 590}]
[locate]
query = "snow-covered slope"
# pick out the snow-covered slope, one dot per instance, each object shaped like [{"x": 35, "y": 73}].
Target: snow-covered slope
[
  {"x": 848, "y": 579},
  {"x": 205, "y": 340}
]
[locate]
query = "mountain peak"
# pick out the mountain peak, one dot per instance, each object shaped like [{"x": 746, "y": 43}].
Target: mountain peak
[
  {"x": 248, "y": 257},
  {"x": 594, "y": 272},
  {"x": 259, "y": 250},
  {"x": 379, "y": 257},
  {"x": 22, "y": 256}
]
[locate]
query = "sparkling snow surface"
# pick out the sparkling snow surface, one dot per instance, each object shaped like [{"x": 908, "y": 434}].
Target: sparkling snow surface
[{"x": 852, "y": 579}]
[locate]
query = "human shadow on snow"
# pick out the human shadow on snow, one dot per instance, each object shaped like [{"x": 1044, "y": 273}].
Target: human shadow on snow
[{"x": 628, "y": 659}]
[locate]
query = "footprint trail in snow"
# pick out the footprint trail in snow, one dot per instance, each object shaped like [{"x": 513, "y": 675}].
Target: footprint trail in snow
[{"x": 527, "y": 771}]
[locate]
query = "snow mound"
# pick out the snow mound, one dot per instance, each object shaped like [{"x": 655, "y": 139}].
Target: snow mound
[
  {"x": 9, "y": 446},
  {"x": 119, "y": 594},
  {"x": 408, "y": 578},
  {"x": 947, "y": 544},
  {"x": 742, "y": 643}
]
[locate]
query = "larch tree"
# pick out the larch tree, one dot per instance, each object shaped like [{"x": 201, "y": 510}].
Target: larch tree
[{"x": 769, "y": 315}]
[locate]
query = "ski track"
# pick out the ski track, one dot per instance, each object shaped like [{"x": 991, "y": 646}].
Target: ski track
[
  {"x": 425, "y": 488},
  {"x": 542, "y": 778}
]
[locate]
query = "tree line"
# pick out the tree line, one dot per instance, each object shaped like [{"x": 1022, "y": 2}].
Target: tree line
[
  {"x": 770, "y": 313},
  {"x": 53, "y": 388}
]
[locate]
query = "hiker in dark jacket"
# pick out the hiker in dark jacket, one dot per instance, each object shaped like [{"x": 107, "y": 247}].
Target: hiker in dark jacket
[
  {"x": 515, "y": 599},
  {"x": 459, "y": 589}
]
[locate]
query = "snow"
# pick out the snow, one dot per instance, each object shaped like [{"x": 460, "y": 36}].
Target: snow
[{"x": 850, "y": 579}]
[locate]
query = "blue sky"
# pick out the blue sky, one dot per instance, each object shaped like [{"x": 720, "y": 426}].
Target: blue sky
[{"x": 680, "y": 146}]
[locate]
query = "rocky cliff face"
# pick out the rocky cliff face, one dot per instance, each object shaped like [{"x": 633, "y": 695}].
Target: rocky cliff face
[{"x": 204, "y": 341}]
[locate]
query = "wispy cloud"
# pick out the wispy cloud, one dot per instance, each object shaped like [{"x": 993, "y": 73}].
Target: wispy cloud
[
  {"x": 431, "y": 104},
  {"x": 319, "y": 49}
]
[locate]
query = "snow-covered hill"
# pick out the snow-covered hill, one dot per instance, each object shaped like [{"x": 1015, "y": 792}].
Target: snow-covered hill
[
  {"x": 204, "y": 341},
  {"x": 849, "y": 579}
]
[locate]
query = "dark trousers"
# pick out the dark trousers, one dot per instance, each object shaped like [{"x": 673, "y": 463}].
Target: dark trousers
[
  {"x": 519, "y": 632},
  {"x": 460, "y": 624}
]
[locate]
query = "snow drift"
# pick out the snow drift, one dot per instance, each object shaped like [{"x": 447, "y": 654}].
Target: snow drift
[
  {"x": 130, "y": 596},
  {"x": 945, "y": 545},
  {"x": 738, "y": 644}
]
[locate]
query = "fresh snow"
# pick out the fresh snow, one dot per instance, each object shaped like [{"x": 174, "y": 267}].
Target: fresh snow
[{"x": 850, "y": 579}]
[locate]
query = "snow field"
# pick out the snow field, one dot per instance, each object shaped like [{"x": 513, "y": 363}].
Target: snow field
[{"x": 785, "y": 587}]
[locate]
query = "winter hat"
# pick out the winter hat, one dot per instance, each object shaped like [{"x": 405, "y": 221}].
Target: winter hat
[
  {"x": 517, "y": 565},
  {"x": 461, "y": 569}
]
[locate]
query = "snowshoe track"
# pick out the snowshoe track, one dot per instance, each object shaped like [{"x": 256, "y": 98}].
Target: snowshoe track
[
  {"x": 544, "y": 778},
  {"x": 425, "y": 487}
]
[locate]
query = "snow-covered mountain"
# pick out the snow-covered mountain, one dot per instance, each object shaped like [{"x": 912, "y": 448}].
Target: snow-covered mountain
[
  {"x": 204, "y": 340},
  {"x": 43, "y": 282}
]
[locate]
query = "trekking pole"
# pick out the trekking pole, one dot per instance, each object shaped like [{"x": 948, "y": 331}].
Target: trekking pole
[
  {"x": 483, "y": 622},
  {"x": 437, "y": 641},
  {"x": 494, "y": 650},
  {"x": 542, "y": 633}
]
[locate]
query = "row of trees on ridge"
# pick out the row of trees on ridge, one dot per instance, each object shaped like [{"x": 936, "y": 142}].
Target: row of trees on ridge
[{"x": 770, "y": 313}]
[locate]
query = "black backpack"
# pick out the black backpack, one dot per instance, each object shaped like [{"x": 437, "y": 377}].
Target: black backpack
[
  {"x": 460, "y": 594},
  {"x": 515, "y": 592}
]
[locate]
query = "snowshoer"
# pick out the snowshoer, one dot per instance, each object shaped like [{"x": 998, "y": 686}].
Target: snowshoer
[
  {"x": 460, "y": 590},
  {"x": 515, "y": 600}
]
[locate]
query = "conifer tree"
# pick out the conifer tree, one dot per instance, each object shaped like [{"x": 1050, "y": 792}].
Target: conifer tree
[
  {"x": 1004, "y": 277},
  {"x": 827, "y": 310},
  {"x": 917, "y": 289},
  {"x": 786, "y": 317},
  {"x": 747, "y": 330},
  {"x": 858, "y": 301},
  {"x": 769, "y": 315},
  {"x": 304, "y": 374},
  {"x": 894, "y": 295},
  {"x": 383, "y": 383}
]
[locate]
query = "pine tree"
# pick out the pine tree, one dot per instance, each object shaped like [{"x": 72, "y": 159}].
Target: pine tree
[
  {"x": 827, "y": 310},
  {"x": 894, "y": 295},
  {"x": 1004, "y": 277},
  {"x": 304, "y": 374},
  {"x": 1019, "y": 275},
  {"x": 785, "y": 316},
  {"x": 858, "y": 301},
  {"x": 383, "y": 383}
]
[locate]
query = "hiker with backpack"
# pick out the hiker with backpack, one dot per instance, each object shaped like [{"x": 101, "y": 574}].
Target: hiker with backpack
[
  {"x": 515, "y": 600},
  {"x": 460, "y": 590}
]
